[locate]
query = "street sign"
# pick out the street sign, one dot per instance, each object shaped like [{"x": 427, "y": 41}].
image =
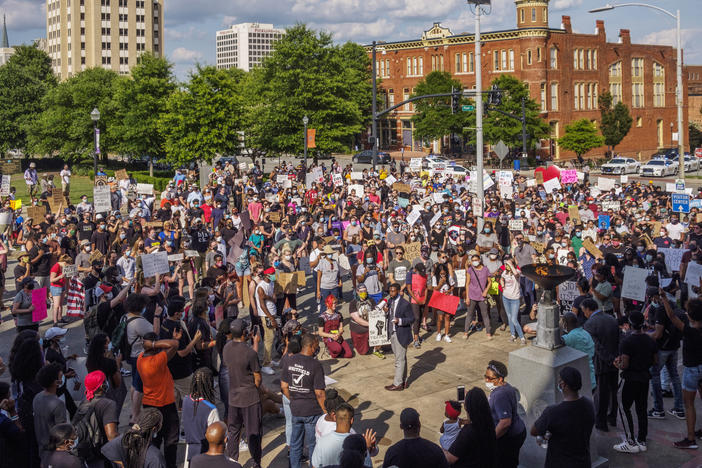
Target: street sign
[
  {"x": 501, "y": 150},
  {"x": 467, "y": 108},
  {"x": 679, "y": 185},
  {"x": 681, "y": 202}
]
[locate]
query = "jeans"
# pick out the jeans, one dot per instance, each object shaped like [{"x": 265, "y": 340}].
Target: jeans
[
  {"x": 667, "y": 359},
  {"x": 302, "y": 434},
  {"x": 512, "y": 310},
  {"x": 288, "y": 420},
  {"x": 527, "y": 287}
]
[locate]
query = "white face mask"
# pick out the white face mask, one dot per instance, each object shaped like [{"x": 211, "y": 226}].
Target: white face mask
[
  {"x": 490, "y": 386},
  {"x": 475, "y": 264}
]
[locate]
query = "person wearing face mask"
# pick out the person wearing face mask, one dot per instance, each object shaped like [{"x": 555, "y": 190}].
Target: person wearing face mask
[
  {"x": 675, "y": 228},
  {"x": 359, "y": 307},
  {"x": 256, "y": 241},
  {"x": 49, "y": 410},
  {"x": 509, "y": 426},
  {"x": 664, "y": 241},
  {"x": 58, "y": 288},
  {"x": 99, "y": 241},
  {"x": 487, "y": 239},
  {"x": 62, "y": 441},
  {"x": 22, "y": 306},
  {"x": 477, "y": 287}
]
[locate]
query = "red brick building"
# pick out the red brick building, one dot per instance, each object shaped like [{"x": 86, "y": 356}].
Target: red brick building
[
  {"x": 693, "y": 73},
  {"x": 565, "y": 72}
]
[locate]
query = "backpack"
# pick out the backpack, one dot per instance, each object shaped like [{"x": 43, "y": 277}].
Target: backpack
[
  {"x": 90, "y": 434},
  {"x": 90, "y": 323},
  {"x": 119, "y": 337}
]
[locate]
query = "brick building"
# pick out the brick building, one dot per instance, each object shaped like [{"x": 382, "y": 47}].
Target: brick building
[
  {"x": 565, "y": 72},
  {"x": 693, "y": 73}
]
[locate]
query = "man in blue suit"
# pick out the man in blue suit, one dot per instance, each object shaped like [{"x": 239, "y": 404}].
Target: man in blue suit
[{"x": 400, "y": 318}]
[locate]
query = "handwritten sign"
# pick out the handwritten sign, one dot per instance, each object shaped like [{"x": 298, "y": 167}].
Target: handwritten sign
[
  {"x": 412, "y": 250},
  {"x": 603, "y": 221},
  {"x": 415, "y": 164},
  {"x": 155, "y": 264},
  {"x": 574, "y": 214},
  {"x": 69, "y": 271},
  {"x": 56, "y": 201},
  {"x": 176, "y": 257},
  {"x": 191, "y": 253},
  {"x": 539, "y": 246},
  {"x": 146, "y": 189},
  {"x": 121, "y": 174},
  {"x": 413, "y": 216},
  {"x": 605, "y": 184},
  {"x": 401, "y": 187},
  {"x": 36, "y": 213},
  {"x": 551, "y": 185},
  {"x": 377, "y": 327},
  {"x": 435, "y": 219},
  {"x": 356, "y": 189},
  {"x": 460, "y": 278},
  {"x": 567, "y": 293},
  {"x": 11, "y": 167},
  {"x": 592, "y": 248},
  {"x": 5, "y": 187},
  {"x": 101, "y": 199},
  {"x": 39, "y": 303},
  {"x": 693, "y": 273},
  {"x": 634, "y": 284},
  {"x": 611, "y": 205},
  {"x": 516, "y": 225},
  {"x": 569, "y": 176},
  {"x": 673, "y": 257}
]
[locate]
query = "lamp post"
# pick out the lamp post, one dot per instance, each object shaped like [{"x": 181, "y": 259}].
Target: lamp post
[
  {"x": 95, "y": 116},
  {"x": 305, "y": 121},
  {"x": 679, "y": 90}
]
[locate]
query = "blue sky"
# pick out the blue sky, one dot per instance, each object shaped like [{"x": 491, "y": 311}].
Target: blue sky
[{"x": 191, "y": 25}]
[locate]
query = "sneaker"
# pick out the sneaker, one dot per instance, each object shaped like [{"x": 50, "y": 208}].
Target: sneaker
[
  {"x": 685, "y": 444},
  {"x": 267, "y": 370},
  {"x": 653, "y": 414},
  {"x": 379, "y": 354},
  {"x": 514, "y": 338},
  {"x": 523, "y": 340},
  {"x": 677, "y": 413},
  {"x": 275, "y": 363},
  {"x": 642, "y": 446},
  {"x": 627, "y": 447},
  {"x": 125, "y": 372},
  {"x": 447, "y": 339},
  {"x": 438, "y": 337},
  {"x": 417, "y": 344},
  {"x": 243, "y": 446}
]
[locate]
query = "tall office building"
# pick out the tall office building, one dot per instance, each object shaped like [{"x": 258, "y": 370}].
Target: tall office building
[
  {"x": 102, "y": 33},
  {"x": 244, "y": 45}
]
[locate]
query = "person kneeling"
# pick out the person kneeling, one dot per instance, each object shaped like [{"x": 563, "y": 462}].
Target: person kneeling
[{"x": 331, "y": 330}]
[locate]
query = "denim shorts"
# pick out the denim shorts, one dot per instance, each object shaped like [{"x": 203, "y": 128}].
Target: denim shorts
[
  {"x": 56, "y": 290},
  {"x": 241, "y": 272},
  {"x": 691, "y": 378},
  {"x": 136, "y": 378}
]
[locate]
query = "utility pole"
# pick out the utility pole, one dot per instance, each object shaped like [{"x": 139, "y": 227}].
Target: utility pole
[
  {"x": 479, "y": 117},
  {"x": 374, "y": 109},
  {"x": 679, "y": 100},
  {"x": 524, "y": 133}
]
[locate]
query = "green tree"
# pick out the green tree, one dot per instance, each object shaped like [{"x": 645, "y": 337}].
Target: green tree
[
  {"x": 695, "y": 136},
  {"x": 616, "y": 121},
  {"x": 203, "y": 119},
  {"x": 24, "y": 81},
  {"x": 580, "y": 137},
  {"x": 498, "y": 127},
  {"x": 65, "y": 125},
  {"x": 140, "y": 103},
  {"x": 433, "y": 117},
  {"x": 308, "y": 75}
]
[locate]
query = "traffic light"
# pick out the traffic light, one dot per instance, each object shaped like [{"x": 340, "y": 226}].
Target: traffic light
[
  {"x": 455, "y": 103},
  {"x": 495, "y": 96}
]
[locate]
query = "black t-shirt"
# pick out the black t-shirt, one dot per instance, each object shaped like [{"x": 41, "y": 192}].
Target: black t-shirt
[
  {"x": 113, "y": 451},
  {"x": 180, "y": 366},
  {"x": 304, "y": 375},
  {"x": 641, "y": 349},
  {"x": 203, "y": 358},
  {"x": 242, "y": 362},
  {"x": 60, "y": 459},
  {"x": 44, "y": 264},
  {"x": 670, "y": 340},
  {"x": 101, "y": 241},
  {"x": 200, "y": 239},
  {"x": 415, "y": 453},
  {"x": 692, "y": 346},
  {"x": 470, "y": 450},
  {"x": 570, "y": 424},
  {"x": 85, "y": 230},
  {"x": 212, "y": 461}
]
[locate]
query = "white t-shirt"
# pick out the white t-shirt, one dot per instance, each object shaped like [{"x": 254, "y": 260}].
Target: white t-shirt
[
  {"x": 675, "y": 230},
  {"x": 324, "y": 427},
  {"x": 65, "y": 176}
]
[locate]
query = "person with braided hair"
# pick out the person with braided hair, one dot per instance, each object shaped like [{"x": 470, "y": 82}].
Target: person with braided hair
[
  {"x": 134, "y": 449},
  {"x": 199, "y": 412}
]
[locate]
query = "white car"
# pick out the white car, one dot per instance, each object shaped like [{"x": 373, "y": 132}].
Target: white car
[
  {"x": 455, "y": 170},
  {"x": 691, "y": 164},
  {"x": 659, "y": 168},
  {"x": 621, "y": 166},
  {"x": 431, "y": 162}
]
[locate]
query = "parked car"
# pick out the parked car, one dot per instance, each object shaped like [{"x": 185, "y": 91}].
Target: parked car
[
  {"x": 366, "y": 156},
  {"x": 659, "y": 168},
  {"x": 621, "y": 166},
  {"x": 432, "y": 160},
  {"x": 457, "y": 171},
  {"x": 228, "y": 159},
  {"x": 691, "y": 163}
]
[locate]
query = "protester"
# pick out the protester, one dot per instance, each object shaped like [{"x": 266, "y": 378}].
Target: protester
[
  {"x": 199, "y": 411},
  {"x": 509, "y": 427},
  {"x": 413, "y": 451},
  {"x": 49, "y": 410},
  {"x": 476, "y": 442},
  {"x": 214, "y": 457},
  {"x": 59, "y": 450},
  {"x": 400, "y": 317}
]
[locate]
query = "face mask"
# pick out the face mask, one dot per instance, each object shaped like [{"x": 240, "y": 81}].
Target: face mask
[
  {"x": 122, "y": 236},
  {"x": 353, "y": 223},
  {"x": 640, "y": 248},
  {"x": 102, "y": 226},
  {"x": 490, "y": 386},
  {"x": 363, "y": 296},
  {"x": 493, "y": 257},
  {"x": 271, "y": 277},
  {"x": 219, "y": 239},
  {"x": 87, "y": 248},
  {"x": 551, "y": 256},
  {"x": 649, "y": 258},
  {"x": 475, "y": 264},
  {"x": 109, "y": 346},
  {"x": 108, "y": 296},
  {"x": 487, "y": 230},
  {"x": 578, "y": 234},
  {"x": 663, "y": 233},
  {"x": 74, "y": 444}
]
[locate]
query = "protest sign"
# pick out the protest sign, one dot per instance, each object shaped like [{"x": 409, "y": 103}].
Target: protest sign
[
  {"x": 415, "y": 164},
  {"x": 592, "y": 248},
  {"x": 176, "y": 257},
  {"x": 192, "y": 253},
  {"x": 539, "y": 176},
  {"x": 603, "y": 221},
  {"x": 344, "y": 263},
  {"x": 413, "y": 217},
  {"x": 605, "y": 184},
  {"x": 574, "y": 214},
  {"x": 281, "y": 178},
  {"x": 444, "y": 302},
  {"x": 693, "y": 274},
  {"x": 100, "y": 180},
  {"x": 121, "y": 174},
  {"x": 39, "y": 303},
  {"x": 146, "y": 189},
  {"x": 390, "y": 180},
  {"x": 56, "y": 202},
  {"x": 531, "y": 182},
  {"x": 567, "y": 293},
  {"x": 505, "y": 175},
  {"x": 434, "y": 219},
  {"x": 506, "y": 190},
  {"x": 377, "y": 327},
  {"x": 5, "y": 187},
  {"x": 155, "y": 264},
  {"x": 477, "y": 206},
  {"x": 357, "y": 176},
  {"x": 516, "y": 224},
  {"x": 356, "y": 189},
  {"x": 569, "y": 176},
  {"x": 412, "y": 250},
  {"x": 611, "y": 205},
  {"x": 36, "y": 213},
  {"x": 69, "y": 271},
  {"x": 672, "y": 258},
  {"x": 460, "y": 278},
  {"x": 288, "y": 282},
  {"x": 551, "y": 185},
  {"x": 401, "y": 187},
  {"x": 623, "y": 179},
  {"x": 11, "y": 167},
  {"x": 438, "y": 197},
  {"x": 337, "y": 180},
  {"x": 538, "y": 246},
  {"x": 304, "y": 264},
  {"x": 101, "y": 199},
  {"x": 245, "y": 218},
  {"x": 403, "y": 202},
  {"x": 274, "y": 216},
  {"x": 634, "y": 284},
  {"x": 562, "y": 256}
]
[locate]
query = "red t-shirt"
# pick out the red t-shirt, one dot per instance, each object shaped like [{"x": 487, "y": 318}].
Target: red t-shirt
[{"x": 58, "y": 271}]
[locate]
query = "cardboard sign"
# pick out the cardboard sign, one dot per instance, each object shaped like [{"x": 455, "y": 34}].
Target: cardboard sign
[
  {"x": 592, "y": 248},
  {"x": 415, "y": 164},
  {"x": 100, "y": 181},
  {"x": 121, "y": 174},
  {"x": 101, "y": 199},
  {"x": 377, "y": 327},
  {"x": 11, "y": 167},
  {"x": 36, "y": 213},
  {"x": 634, "y": 283},
  {"x": 401, "y": 187},
  {"x": 191, "y": 253},
  {"x": 176, "y": 257},
  {"x": 539, "y": 176},
  {"x": 539, "y": 246},
  {"x": 146, "y": 189},
  {"x": 56, "y": 202},
  {"x": 155, "y": 264},
  {"x": 444, "y": 302},
  {"x": 69, "y": 271},
  {"x": 574, "y": 214},
  {"x": 516, "y": 225},
  {"x": 39, "y": 303},
  {"x": 412, "y": 250},
  {"x": 274, "y": 216},
  {"x": 5, "y": 187},
  {"x": 605, "y": 184}
]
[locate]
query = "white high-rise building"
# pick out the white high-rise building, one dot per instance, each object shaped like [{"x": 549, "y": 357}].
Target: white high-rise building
[{"x": 244, "y": 45}]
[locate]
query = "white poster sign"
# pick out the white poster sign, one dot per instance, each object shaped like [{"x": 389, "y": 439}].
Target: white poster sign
[
  {"x": 356, "y": 188},
  {"x": 377, "y": 327},
  {"x": 337, "y": 180},
  {"x": 281, "y": 178},
  {"x": 434, "y": 220},
  {"x": 516, "y": 224},
  {"x": 611, "y": 205},
  {"x": 176, "y": 257},
  {"x": 69, "y": 271},
  {"x": 155, "y": 264},
  {"x": 460, "y": 278},
  {"x": 413, "y": 217},
  {"x": 506, "y": 189},
  {"x": 692, "y": 277},
  {"x": 562, "y": 256},
  {"x": 146, "y": 189},
  {"x": 415, "y": 164},
  {"x": 389, "y": 180},
  {"x": 101, "y": 198},
  {"x": 605, "y": 184},
  {"x": 634, "y": 285},
  {"x": 531, "y": 183},
  {"x": 357, "y": 176},
  {"x": 551, "y": 185},
  {"x": 672, "y": 258},
  {"x": 5, "y": 187}
]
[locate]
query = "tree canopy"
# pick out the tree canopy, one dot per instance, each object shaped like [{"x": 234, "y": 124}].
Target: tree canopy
[
  {"x": 433, "y": 117},
  {"x": 580, "y": 137},
  {"x": 616, "y": 121}
]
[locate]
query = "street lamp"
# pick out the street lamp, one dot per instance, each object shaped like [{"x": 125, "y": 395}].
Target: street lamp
[
  {"x": 305, "y": 121},
  {"x": 679, "y": 90},
  {"x": 95, "y": 116}
]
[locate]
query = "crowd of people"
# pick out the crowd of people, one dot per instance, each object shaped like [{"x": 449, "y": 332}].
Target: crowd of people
[{"x": 189, "y": 334}]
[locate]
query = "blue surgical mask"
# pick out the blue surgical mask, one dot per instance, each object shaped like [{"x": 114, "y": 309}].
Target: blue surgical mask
[{"x": 75, "y": 444}]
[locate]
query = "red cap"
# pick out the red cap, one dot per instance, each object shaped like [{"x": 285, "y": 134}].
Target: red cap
[
  {"x": 93, "y": 381},
  {"x": 452, "y": 412},
  {"x": 269, "y": 271},
  {"x": 105, "y": 288}
]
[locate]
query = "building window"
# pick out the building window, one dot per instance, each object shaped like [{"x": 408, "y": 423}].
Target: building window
[
  {"x": 528, "y": 56},
  {"x": 576, "y": 96},
  {"x": 521, "y": 16},
  {"x": 406, "y": 96},
  {"x": 615, "y": 89},
  {"x": 414, "y": 66},
  {"x": 421, "y": 66},
  {"x": 533, "y": 15},
  {"x": 496, "y": 60},
  {"x": 470, "y": 62},
  {"x": 433, "y": 63},
  {"x": 615, "y": 70},
  {"x": 465, "y": 63},
  {"x": 538, "y": 54},
  {"x": 594, "y": 59},
  {"x": 511, "y": 59},
  {"x": 588, "y": 59},
  {"x": 459, "y": 69},
  {"x": 553, "y": 57},
  {"x": 387, "y": 68},
  {"x": 503, "y": 55},
  {"x": 581, "y": 59},
  {"x": 409, "y": 66},
  {"x": 658, "y": 70},
  {"x": 637, "y": 67},
  {"x": 544, "y": 15},
  {"x": 391, "y": 97},
  {"x": 441, "y": 59},
  {"x": 554, "y": 96},
  {"x": 575, "y": 59},
  {"x": 542, "y": 95},
  {"x": 658, "y": 95}
]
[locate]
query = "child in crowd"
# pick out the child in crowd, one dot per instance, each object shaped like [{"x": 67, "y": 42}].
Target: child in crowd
[{"x": 451, "y": 426}]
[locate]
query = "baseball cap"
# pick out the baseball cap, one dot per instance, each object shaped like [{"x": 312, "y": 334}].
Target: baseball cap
[
  {"x": 102, "y": 289},
  {"x": 53, "y": 332},
  {"x": 99, "y": 216},
  {"x": 409, "y": 419},
  {"x": 237, "y": 328}
]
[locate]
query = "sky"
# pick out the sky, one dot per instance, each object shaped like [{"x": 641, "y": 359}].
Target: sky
[{"x": 191, "y": 25}]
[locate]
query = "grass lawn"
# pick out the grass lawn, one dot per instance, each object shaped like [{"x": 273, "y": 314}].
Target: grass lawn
[{"x": 80, "y": 185}]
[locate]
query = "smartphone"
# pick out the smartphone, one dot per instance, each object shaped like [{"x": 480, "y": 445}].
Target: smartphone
[
  {"x": 461, "y": 392},
  {"x": 256, "y": 330}
]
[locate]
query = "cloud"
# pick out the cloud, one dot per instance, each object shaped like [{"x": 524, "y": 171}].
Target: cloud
[
  {"x": 183, "y": 55},
  {"x": 24, "y": 14},
  {"x": 559, "y": 5},
  {"x": 186, "y": 33}
]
